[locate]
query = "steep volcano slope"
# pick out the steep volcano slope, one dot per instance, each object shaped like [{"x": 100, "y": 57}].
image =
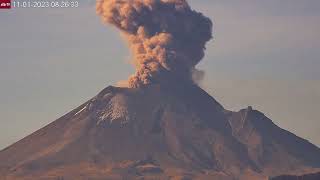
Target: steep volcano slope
[
  {"x": 274, "y": 150},
  {"x": 164, "y": 132}
]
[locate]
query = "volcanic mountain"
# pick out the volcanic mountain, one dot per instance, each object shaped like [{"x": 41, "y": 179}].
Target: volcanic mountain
[{"x": 173, "y": 131}]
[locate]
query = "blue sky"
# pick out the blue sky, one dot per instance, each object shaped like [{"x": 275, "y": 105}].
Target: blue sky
[{"x": 264, "y": 54}]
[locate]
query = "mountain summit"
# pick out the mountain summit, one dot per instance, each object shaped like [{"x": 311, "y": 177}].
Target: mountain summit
[{"x": 175, "y": 132}]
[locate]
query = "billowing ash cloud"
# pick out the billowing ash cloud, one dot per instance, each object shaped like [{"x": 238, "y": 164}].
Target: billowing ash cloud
[{"x": 166, "y": 37}]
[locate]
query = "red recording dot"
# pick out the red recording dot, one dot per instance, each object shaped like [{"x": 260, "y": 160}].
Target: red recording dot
[{"x": 5, "y": 4}]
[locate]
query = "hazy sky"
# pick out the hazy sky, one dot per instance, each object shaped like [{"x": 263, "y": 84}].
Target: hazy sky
[{"x": 265, "y": 54}]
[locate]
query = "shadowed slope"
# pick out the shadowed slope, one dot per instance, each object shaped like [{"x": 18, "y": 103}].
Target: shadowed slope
[
  {"x": 275, "y": 150},
  {"x": 315, "y": 176}
]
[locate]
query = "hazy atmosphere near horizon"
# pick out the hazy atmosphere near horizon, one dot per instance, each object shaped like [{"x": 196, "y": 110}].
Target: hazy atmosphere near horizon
[{"x": 264, "y": 54}]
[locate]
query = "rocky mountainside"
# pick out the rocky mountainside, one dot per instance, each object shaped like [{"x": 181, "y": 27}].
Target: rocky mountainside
[
  {"x": 315, "y": 176},
  {"x": 274, "y": 150},
  {"x": 158, "y": 132}
]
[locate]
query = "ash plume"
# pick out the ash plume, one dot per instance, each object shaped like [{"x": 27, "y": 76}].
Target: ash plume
[{"x": 167, "y": 38}]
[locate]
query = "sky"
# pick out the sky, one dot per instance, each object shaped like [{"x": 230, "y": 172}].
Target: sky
[{"x": 264, "y": 54}]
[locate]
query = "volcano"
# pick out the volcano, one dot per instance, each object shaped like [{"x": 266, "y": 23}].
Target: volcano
[{"x": 175, "y": 132}]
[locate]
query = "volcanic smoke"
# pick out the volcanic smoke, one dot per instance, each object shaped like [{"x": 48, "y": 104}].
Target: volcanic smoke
[{"x": 166, "y": 37}]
